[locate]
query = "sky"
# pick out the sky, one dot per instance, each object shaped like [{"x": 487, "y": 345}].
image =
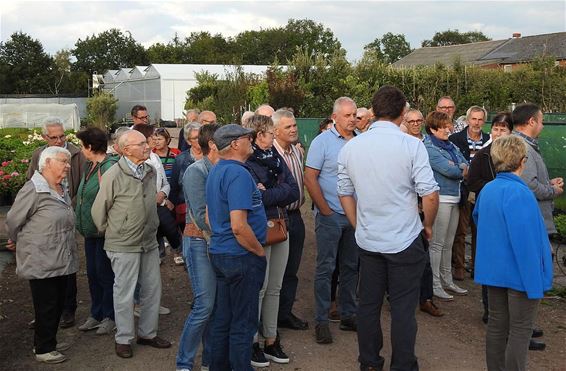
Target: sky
[{"x": 59, "y": 24}]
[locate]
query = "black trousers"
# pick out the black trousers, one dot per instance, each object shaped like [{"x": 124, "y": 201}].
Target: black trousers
[
  {"x": 399, "y": 275},
  {"x": 168, "y": 227},
  {"x": 71, "y": 294},
  {"x": 48, "y": 295},
  {"x": 290, "y": 279},
  {"x": 426, "y": 279}
]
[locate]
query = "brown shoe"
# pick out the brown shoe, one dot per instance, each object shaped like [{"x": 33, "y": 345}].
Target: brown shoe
[
  {"x": 124, "y": 350},
  {"x": 459, "y": 274},
  {"x": 429, "y": 307},
  {"x": 156, "y": 342}
]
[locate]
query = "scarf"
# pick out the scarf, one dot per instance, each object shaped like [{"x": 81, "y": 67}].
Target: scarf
[
  {"x": 266, "y": 159},
  {"x": 447, "y": 146}
]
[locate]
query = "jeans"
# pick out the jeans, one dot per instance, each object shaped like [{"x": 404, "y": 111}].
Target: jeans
[
  {"x": 334, "y": 233},
  {"x": 48, "y": 295},
  {"x": 426, "y": 279},
  {"x": 169, "y": 228},
  {"x": 459, "y": 245},
  {"x": 290, "y": 278},
  {"x": 440, "y": 251},
  {"x": 276, "y": 256},
  {"x": 100, "y": 279},
  {"x": 234, "y": 318},
  {"x": 203, "y": 282},
  {"x": 399, "y": 275},
  {"x": 509, "y": 329}
]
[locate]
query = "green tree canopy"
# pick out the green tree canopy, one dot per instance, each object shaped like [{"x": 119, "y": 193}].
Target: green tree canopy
[
  {"x": 25, "y": 67},
  {"x": 389, "y": 48},
  {"x": 455, "y": 37},
  {"x": 110, "y": 49}
]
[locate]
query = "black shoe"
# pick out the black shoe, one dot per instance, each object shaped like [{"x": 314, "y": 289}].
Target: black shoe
[
  {"x": 536, "y": 345},
  {"x": 349, "y": 324},
  {"x": 258, "y": 358},
  {"x": 67, "y": 320},
  {"x": 274, "y": 353},
  {"x": 293, "y": 322},
  {"x": 323, "y": 335},
  {"x": 537, "y": 333}
]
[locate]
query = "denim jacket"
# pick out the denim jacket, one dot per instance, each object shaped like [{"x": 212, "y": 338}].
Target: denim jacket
[{"x": 447, "y": 174}]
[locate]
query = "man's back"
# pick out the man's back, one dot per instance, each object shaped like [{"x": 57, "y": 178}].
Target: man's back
[{"x": 386, "y": 186}]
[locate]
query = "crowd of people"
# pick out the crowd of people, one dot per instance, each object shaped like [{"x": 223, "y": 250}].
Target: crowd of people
[{"x": 394, "y": 194}]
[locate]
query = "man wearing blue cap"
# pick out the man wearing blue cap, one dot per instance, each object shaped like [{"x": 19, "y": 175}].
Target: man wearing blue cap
[{"x": 238, "y": 223}]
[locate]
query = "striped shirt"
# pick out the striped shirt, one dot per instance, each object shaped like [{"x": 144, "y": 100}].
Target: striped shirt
[
  {"x": 294, "y": 160},
  {"x": 474, "y": 145}
]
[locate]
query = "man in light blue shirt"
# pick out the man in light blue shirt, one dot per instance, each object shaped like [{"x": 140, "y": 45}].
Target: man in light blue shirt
[
  {"x": 379, "y": 198},
  {"x": 334, "y": 233}
]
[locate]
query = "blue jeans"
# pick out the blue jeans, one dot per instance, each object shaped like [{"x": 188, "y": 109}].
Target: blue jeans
[
  {"x": 100, "y": 279},
  {"x": 234, "y": 319},
  {"x": 334, "y": 233},
  {"x": 203, "y": 282}
]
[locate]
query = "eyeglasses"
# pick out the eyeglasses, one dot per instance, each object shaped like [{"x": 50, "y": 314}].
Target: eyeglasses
[
  {"x": 61, "y": 160},
  {"x": 415, "y": 122},
  {"x": 193, "y": 138},
  {"x": 446, "y": 107},
  {"x": 60, "y": 137},
  {"x": 359, "y": 117},
  {"x": 160, "y": 130}
]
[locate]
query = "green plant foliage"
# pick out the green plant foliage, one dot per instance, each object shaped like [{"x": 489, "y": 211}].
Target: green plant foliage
[
  {"x": 101, "y": 110},
  {"x": 560, "y": 222}
]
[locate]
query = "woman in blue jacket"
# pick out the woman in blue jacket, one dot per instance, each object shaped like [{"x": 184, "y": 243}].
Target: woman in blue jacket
[
  {"x": 278, "y": 189},
  {"x": 512, "y": 257},
  {"x": 449, "y": 167}
]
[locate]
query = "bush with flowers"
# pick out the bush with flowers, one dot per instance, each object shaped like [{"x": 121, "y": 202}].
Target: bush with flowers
[{"x": 16, "y": 148}]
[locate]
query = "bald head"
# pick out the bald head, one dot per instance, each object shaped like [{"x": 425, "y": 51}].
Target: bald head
[
  {"x": 129, "y": 137},
  {"x": 206, "y": 117},
  {"x": 265, "y": 110}
]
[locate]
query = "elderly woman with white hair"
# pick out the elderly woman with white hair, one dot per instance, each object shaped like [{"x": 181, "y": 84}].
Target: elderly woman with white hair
[{"x": 41, "y": 227}]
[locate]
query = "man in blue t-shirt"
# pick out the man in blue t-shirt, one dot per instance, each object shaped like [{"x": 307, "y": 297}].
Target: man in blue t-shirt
[{"x": 237, "y": 219}]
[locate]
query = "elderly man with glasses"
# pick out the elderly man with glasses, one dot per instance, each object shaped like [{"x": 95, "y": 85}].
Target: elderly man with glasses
[{"x": 54, "y": 134}]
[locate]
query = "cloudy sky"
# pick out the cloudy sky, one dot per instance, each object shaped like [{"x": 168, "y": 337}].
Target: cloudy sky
[{"x": 58, "y": 25}]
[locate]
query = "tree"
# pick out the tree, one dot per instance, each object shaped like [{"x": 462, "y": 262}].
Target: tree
[
  {"x": 455, "y": 37},
  {"x": 24, "y": 65},
  {"x": 110, "y": 49},
  {"x": 390, "y": 48},
  {"x": 101, "y": 109}
]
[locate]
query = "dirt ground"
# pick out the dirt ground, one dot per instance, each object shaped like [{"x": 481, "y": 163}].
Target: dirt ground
[{"x": 453, "y": 342}]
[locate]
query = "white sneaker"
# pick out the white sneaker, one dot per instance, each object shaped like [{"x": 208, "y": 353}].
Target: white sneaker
[
  {"x": 60, "y": 347},
  {"x": 456, "y": 290},
  {"x": 106, "y": 327},
  {"x": 164, "y": 310},
  {"x": 442, "y": 295},
  {"x": 203, "y": 368},
  {"x": 51, "y": 357},
  {"x": 90, "y": 324}
]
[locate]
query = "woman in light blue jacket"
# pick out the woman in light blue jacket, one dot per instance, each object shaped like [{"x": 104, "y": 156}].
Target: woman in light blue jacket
[{"x": 449, "y": 167}]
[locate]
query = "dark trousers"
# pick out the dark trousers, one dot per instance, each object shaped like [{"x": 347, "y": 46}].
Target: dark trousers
[
  {"x": 71, "y": 295},
  {"x": 48, "y": 295},
  {"x": 234, "y": 317},
  {"x": 399, "y": 275},
  {"x": 290, "y": 279},
  {"x": 426, "y": 279},
  {"x": 100, "y": 279},
  {"x": 169, "y": 228}
]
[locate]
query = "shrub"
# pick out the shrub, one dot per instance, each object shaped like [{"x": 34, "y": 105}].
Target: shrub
[{"x": 101, "y": 109}]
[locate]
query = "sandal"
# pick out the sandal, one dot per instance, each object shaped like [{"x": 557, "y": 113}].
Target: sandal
[{"x": 179, "y": 260}]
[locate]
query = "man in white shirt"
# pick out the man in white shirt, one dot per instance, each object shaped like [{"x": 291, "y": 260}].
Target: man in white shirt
[{"x": 380, "y": 201}]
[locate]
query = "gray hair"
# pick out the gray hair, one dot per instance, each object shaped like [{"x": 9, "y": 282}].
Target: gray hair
[
  {"x": 51, "y": 152},
  {"x": 190, "y": 127},
  {"x": 50, "y": 122},
  {"x": 281, "y": 113},
  {"x": 476, "y": 109},
  {"x": 446, "y": 97},
  {"x": 340, "y": 101},
  {"x": 119, "y": 132},
  {"x": 362, "y": 110},
  {"x": 411, "y": 110},
  {"x": 246, "y": 116}
]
